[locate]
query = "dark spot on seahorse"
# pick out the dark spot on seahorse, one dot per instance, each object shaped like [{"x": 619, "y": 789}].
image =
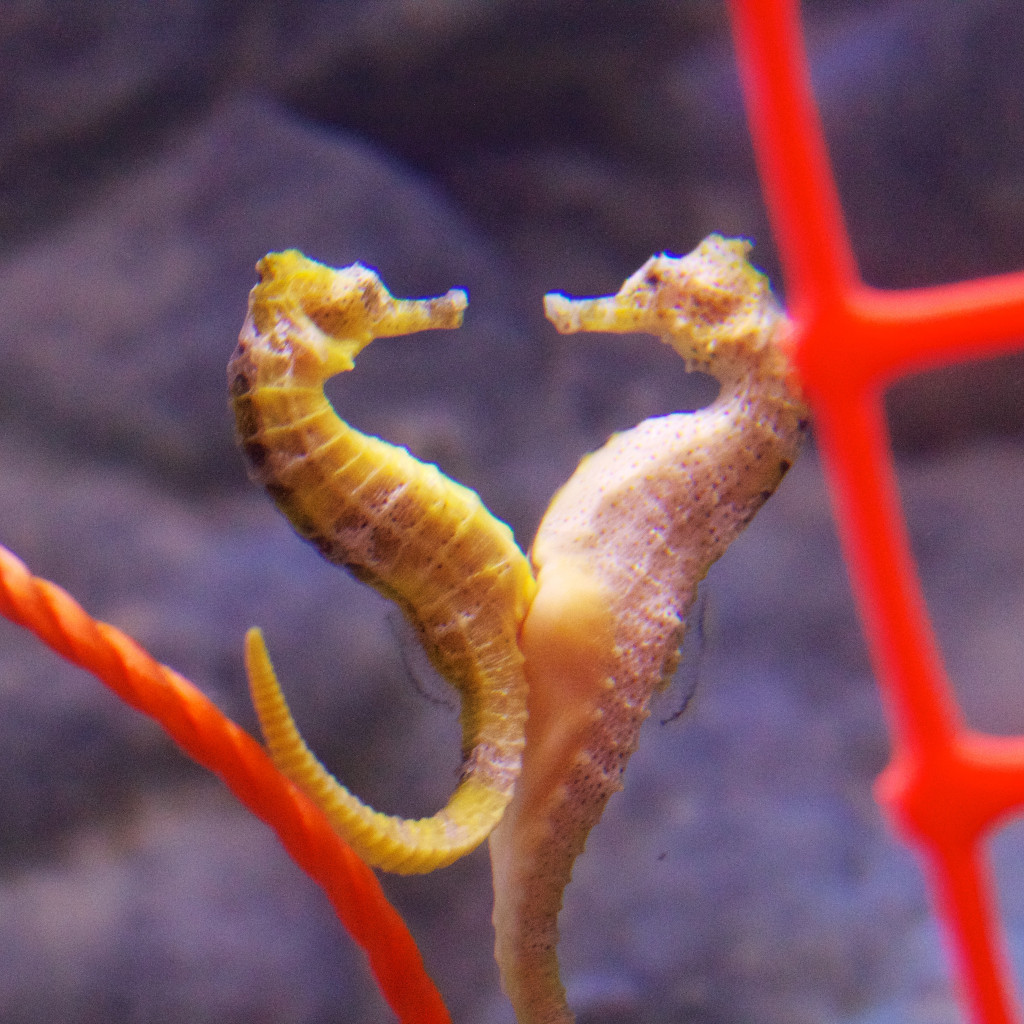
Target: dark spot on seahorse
[
  {"x": 749, "y": 514},
  {"x": 360, "y": 572},
  {"x": 455, "y": 641},
  {"x": 404, "y": 511},
  {"x": 373, "y": 298},
  {"x": 302, "y": 525},
  {"x": 284, "y": 498},
  {"x": 712, "y": 305},
  {"x": 784, "y": 465},
  {"x": 240, "y": 384},
  {"x": 385, "y": 543},
  {"x": 324, "y": 544},
  {"x": 281, "y": 494},
  {"x": 765, "y": 495},
  {"x": 255, "y": 451},
  {"x": 349, "y": 520},
  {"x": 247, "y": 419},
  {"x": 802, "y": 424},
  {"x": 334, "y": 320}
]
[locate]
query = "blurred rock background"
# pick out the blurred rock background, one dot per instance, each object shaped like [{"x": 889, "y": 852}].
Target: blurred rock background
[{"x": 149, "y": 154}]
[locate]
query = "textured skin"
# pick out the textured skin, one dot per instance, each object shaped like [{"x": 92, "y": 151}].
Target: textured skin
[
  {"x": 618, "y": 557},
  {"x": 396, "y": 523}
]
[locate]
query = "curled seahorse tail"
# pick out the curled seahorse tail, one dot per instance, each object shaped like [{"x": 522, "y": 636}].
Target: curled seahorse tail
[{"x": 389, "y": 842}]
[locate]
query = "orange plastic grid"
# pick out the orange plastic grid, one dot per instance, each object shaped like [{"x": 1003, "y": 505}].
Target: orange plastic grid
[{"x": 947, "y": 786}]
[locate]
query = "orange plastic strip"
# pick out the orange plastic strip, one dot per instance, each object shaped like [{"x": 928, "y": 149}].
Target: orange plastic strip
[
  {"x": 213, "y": 740},
  {"x": 947, "y": 787}
]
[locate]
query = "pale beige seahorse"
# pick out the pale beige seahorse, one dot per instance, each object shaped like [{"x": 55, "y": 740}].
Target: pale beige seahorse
[{"x": 618, "y": 558}]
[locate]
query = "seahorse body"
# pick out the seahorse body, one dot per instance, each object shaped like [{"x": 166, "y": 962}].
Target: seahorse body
[
  {"x": 394, "y": 522},
  {"x": 618, "y": 557}
]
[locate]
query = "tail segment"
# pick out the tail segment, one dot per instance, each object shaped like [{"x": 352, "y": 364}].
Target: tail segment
[{"x": 402, "y": 845}]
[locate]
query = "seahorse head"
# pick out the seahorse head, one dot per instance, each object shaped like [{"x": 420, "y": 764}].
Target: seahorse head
[
  {"x": 334, "y": 314},
  {"x": 711, "y": 306}
]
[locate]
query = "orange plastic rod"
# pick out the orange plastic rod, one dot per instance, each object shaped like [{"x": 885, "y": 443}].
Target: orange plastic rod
[
  {"x": 947, "y": 786},
  {"x": 213, "y": 740}
]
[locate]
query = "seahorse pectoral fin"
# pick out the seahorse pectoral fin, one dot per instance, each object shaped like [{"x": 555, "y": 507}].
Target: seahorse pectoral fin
[{"x": 401, "y": 845}]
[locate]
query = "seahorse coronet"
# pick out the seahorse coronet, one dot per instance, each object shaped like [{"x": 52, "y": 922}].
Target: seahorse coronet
[{"x": 398, "y": 524}]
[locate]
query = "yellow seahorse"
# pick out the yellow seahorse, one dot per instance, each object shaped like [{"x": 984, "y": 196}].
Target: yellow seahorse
[
  {"x": 394, "y": 522},
  {"x": 618, "y": 557}
]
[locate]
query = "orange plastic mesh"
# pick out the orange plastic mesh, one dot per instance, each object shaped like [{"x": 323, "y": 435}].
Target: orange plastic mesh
[
  {"x": 216, "y": 743},
  {"x": 947, "y": 786}
]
